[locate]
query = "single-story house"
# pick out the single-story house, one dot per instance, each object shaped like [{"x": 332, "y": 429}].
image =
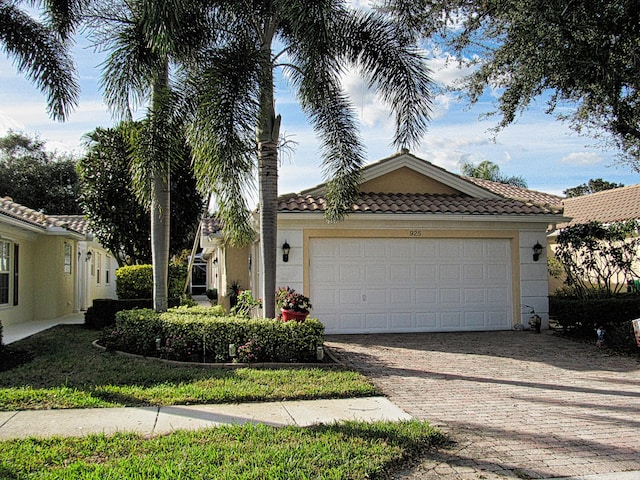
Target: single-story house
[
  {"x": 50, "y": 266},
  {"x": 618, "y": 204},
  {"x": 423, "y": 250}
]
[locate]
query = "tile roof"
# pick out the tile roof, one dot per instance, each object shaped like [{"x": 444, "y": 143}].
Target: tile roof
[
  {"x": 210, "y": 227},
  {"x": 417, "y": 203},
  {"x": 14, "y": 210},
  {"x": 517, "y": 193},
  {"x": 607, "y": 206},
  {"x": 77, "y": 223}
]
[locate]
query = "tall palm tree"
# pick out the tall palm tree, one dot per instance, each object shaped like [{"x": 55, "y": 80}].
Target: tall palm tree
[
  {"x": 148, "y": 39},
  {"x": 314, "y": 42},
  {"x": 40, "y": 49}
]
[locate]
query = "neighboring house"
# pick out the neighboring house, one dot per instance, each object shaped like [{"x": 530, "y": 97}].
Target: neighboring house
[
  {"x": 618, "y": 204},
  {"x": 49, "y": 265},
  {"x": 422, "y": 250}
]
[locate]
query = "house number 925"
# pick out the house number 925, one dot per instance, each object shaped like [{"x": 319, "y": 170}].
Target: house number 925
[{"x": 415, "y": 233}]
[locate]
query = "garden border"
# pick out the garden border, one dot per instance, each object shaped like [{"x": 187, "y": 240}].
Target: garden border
[{"x": 335, "y": 363}]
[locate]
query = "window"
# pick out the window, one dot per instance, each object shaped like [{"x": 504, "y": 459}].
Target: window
[
  {"x": 67, "y": 258},
  {"x": 98, "y": 266},
  {"x": 107, "y": 270},
  {"x": 5, "y": 271}
]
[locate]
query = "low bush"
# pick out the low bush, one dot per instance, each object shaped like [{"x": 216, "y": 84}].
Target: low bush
[
  {"x": 581, "y": 317},
  {"x": 103, "y": 311},
  {"x": 136, "y": 281},
  {"x": 203, "y": 336}
]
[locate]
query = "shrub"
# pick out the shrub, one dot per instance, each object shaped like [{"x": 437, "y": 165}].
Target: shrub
[
  {"x": 103, "y": 311},
  {"x": 205, "y": 337},
  {"x": 581, "y": 317},
  {"x": 136, "y": 281}
]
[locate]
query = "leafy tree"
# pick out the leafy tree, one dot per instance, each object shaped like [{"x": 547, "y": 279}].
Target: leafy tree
[
  {"x": 147, "y": 40},
  {"x": 116, "y": 217},
  {"x": 598, "y": 259},
  {"x": 313, "y": 42},
  {"x": 36, "y": 178},
  {"x": 593, "y": 186},
  {"x": 490, "y": 171},
  {"x": 583, "y": 52},
  {"x": 40, "y": 49}
]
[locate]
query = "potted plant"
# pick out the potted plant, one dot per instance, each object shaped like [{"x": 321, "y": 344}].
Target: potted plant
[
  {"x": 293, "y": 305},
  {"x": 212, "y": 295}
]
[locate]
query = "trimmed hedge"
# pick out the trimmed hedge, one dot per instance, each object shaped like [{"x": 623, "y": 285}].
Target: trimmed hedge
[
  {"x": 136, "y": 281},
  {"x": 103, "y": 312},
  {"x": 203, "y": 337},
  {"x": 581, "y": 317}
]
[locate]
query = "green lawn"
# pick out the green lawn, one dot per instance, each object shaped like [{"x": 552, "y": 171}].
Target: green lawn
[{"x": 67, "y": 372}]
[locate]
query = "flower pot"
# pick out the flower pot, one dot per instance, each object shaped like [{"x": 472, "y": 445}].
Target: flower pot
[{"x": 288, "y": 315}]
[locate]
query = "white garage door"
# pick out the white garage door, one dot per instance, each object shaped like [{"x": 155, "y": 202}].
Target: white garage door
[{"x": 410, "y": 285}]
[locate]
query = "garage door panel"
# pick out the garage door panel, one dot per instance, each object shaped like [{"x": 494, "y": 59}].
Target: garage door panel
[
  {"x": 451, "y": 319},
  {"x": 474, "y": 249},
  {"x": 401, "y": 273},
  {"x": 376, "y": 296},
  {"x": 426, "y": 272},
  {"x": 450, "y": 296},
  {"x": 449, "y": 273},
  {"x": 350, "y": 248},
  {"x": 417, "y": 284},
  {"x": 450, "y": 248},
  {"x": 350, "y": 297},
  {"x": 400, "y": 296},
  {"x": 474, "y": 319},
  {"x": 426, "y": 320},
  {"x": 376, "y": 273},
  {"x": 350, "y": 274},
  {"x": 474, "y": 296},
  {"x": 474, "y": 273},
  {"x": 402, "y": 320},
  {"x": 427, "y": 296},
  {"x": 375, "y": 321},
  {"x": 497, "y": 272}
]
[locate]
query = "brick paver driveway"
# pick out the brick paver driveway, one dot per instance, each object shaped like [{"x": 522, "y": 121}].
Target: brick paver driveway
[{"x": 514, "y": 404}]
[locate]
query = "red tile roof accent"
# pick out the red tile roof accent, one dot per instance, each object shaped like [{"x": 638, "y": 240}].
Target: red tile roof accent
[
  {"x": 11, "y": 209},
  {"x": 517, "y": 193},
  {"x": 77, "y": 223},
  {"x": 417, "y": 203},
  {"x": 210, "y": 226},
  {"x": 607, "y": 206}
]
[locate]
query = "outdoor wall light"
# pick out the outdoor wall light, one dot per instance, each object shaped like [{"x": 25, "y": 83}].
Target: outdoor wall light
[
  {"x": 89, "y": 255},
  {"x": 537, "y": 250},
  {"x": 286, "y": 248}
]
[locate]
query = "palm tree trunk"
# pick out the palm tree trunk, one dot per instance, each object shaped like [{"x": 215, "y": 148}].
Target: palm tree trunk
[
  {"x": 160, "y": 207},
  {"x": 268, "y": 133}
]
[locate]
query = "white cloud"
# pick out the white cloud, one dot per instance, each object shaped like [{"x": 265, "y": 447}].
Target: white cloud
[{"x": 582, "y": 158}]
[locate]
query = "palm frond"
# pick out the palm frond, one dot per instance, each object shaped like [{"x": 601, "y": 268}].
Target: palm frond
[
  {"x": 222, "y": 134},
  {"x": 42, "y": 57},
  {"x": 395, "y": 68}
]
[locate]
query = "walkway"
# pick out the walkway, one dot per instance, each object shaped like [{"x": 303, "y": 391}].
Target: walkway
[{"x": 515, "y": 404}]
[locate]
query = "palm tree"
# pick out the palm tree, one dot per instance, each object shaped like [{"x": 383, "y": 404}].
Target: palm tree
[
  {"x": 40, "y": 50},
  {"x": 487, "y": 170},
  {"x": 148, "y": 39},
  {"x": 313, "y": 42}
]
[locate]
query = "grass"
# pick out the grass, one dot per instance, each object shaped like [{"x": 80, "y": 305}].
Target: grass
[
  {"x": 352, "y": 450},
  {"x": 68, "y": 372}
]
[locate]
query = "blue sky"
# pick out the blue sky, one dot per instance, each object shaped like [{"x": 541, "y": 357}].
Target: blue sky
[{"x": 539, "y": 148}]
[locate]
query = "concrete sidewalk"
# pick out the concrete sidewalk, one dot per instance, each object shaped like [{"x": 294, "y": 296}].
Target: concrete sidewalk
[{"x": 151, "y": 421}]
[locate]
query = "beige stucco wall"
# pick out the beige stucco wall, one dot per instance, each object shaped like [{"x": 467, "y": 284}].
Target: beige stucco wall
[{"x": 405, "y": 180}]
